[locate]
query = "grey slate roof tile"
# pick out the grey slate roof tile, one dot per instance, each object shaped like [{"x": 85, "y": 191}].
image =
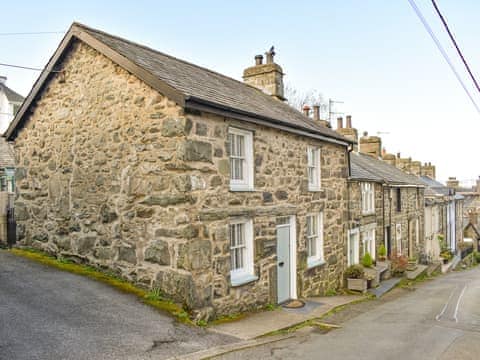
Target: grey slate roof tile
[
  {"x": 7, "y": 159},
  {"x": 366, "y": 167},
  {"x": 11, "y": 95},
  {"x": 201, "y": 83}
]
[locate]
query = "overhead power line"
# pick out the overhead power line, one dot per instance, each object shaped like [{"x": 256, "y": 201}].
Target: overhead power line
[
  {"x": 31, "y": 33},
  {"x": 450, "y": 34},
  {"x": 21, "y": 67},
  {"x": 442, "y": 51}
]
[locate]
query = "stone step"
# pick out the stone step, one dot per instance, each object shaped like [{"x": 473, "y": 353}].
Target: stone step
[
  {"x": 420, "y": 270},
  {"x": 384, "y": 287}
]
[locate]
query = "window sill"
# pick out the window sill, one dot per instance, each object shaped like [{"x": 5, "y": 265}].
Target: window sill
[
  {"x": 315, "y": 263},
  {"x": 366, "y": 213},
  {"x": 243, "y": 279},
  {"x": 315, "y": 189},
  {"x": 241, "y": 189}
]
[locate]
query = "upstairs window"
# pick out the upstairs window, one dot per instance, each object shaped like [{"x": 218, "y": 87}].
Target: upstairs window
[
  {"x": 368, "y": 198},
  {"x": 314, "y": 239},
  {"x": 313, "y": 164},
  {"x": 241, "y": 159}
]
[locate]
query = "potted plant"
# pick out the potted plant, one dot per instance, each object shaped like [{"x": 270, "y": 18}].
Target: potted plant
[
  {"x": 382, "y": 253},
  {"x": 371, "y": 273},
  {"x": 446, "y": 256},
  {"x": 399, "y": 265},
  {"x": 355, "y": 275}
]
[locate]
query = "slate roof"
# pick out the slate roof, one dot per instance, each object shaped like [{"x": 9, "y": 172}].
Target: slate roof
[
  {"x": 11, "y": 95},
  {"x": 366, "y": 167},
  {"x": 7, "y": 158},
  {"x": 436, "y": 187},
  {"x": 192, "y": 84}
]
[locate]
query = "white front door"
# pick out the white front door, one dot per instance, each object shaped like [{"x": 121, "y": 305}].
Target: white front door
[{"x": 286, "y": 259}]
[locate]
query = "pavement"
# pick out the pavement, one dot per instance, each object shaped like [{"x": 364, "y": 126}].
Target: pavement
[
  {"x": 266, "y": 322},
  {"x": 439, "y": 319},
  {"x": 46, "y": 313}
]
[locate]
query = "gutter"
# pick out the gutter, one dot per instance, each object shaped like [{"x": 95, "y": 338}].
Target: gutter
[{"x": 194, "y": 103}]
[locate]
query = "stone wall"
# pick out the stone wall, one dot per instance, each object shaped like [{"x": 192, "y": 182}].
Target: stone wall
[
  {"x": 113, "y": 173},
  {"x": 412, "y": 209}
]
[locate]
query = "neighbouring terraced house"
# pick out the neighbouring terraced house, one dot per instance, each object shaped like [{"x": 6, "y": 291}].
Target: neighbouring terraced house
[
  {"x": 213, "y": 190},
  {"x": 7, "y": 186},
  {"x": 386, "y": 205}
]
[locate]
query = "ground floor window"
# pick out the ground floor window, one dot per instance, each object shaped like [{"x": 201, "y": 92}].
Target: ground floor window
[
  {"x": 398, "y": 238},
  {"x": 368, "y": 237},
  {"x": 241, "y": 251},
  {"x": 315, "y": 238}
]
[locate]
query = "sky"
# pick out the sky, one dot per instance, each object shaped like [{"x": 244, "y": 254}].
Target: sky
[{"x": 372, "y": 55}]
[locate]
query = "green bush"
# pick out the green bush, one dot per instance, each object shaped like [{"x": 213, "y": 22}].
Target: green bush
[
  {"x": 367, "y": 260},
  {"x": 476, "y": 256},
  {"x": 382, "y": 251},
  {"x": 354, "y": 272}
]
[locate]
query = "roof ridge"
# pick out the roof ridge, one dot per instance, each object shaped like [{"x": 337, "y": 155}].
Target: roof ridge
[{"x": 88, "y": 28}]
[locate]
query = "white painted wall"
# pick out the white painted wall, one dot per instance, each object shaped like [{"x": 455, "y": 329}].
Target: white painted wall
[{"x": 6, "y": 112}]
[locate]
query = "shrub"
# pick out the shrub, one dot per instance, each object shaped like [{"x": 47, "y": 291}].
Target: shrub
[
  {"x": 446, "y": 254},
  {"x": 476, "y": 256},
  {"x": 367, "y": 260},
  {"x": 382, "y": 251},
  {"x": 354, "y": 272},
  {"x": 399, "y": 264}
]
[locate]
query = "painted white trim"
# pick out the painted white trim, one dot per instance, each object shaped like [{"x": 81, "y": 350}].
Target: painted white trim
[
  {"x": 319, "y": 257},
  {"x": 318, "y": 185},
  {"x": 249, "y": 168},
  {"x": 247, "y": 273},
  {"x": 293, "y": 257},
  {"x": 356, "y": 232}
]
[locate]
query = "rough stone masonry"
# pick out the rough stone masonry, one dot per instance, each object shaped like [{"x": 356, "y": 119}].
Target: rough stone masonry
[{"x": 114, "y": 173}]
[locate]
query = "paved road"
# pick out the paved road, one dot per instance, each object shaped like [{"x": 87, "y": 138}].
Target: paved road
[
  {"x": 439, "y": 320},
  {"x": 50, "y": 314}
]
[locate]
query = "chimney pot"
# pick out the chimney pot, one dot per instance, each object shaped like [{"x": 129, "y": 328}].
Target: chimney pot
[
  {"x": 270, "y": 54},
  {"x": 349, "y": 121},
  {"x": 258, "y": 59},
  {"x": 306, "y": 110},
  {"x": 316, "y": 112},
  {"x": 339, "y": 122},
  {"x": 398, "y": 155},
  {"x": 365, "y": 133}
]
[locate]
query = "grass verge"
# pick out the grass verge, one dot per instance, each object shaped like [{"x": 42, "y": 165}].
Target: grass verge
[{"x": 153, "y": 298}]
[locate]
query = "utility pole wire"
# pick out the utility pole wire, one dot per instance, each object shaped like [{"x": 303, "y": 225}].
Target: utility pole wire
[
  {"x": 442, "y": 51},
  {"x": 32, "y": 33},
  {"x": 21, "y": 67},
  {"x": 455, "y": 44}
]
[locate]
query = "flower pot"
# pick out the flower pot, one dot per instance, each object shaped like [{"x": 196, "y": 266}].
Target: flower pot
[{"x": 357, "y": 284}]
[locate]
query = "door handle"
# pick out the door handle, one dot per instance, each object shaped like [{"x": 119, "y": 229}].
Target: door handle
[{"x": 281, "y": 263}]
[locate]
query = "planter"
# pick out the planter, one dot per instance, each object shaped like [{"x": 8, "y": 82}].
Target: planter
[
  {"x": 357, "y": 284},
  {"x": 445, "y": 260},
  {"x": 373, "y": 277}
]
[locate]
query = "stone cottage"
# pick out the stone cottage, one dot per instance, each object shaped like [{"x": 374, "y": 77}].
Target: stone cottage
[
  {"x": 212, "y": 190},
  {"x": 386, "y": 205}
]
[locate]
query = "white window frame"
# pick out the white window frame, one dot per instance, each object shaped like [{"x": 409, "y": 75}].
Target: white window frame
[
  {"x": 398, "y": 238},
  {"x": 368, "y": 197},
  {"x": 247, "y": 183},
  {"x": 368, "y": 241},
  {"x": 317, "y": 237},
  {"x": 356, "y": 251},
  {"x": 246, "y": 273},
  {"x": 313, "y": 166}
]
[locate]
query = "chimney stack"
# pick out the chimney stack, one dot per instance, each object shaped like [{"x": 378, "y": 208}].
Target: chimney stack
[
  {"x": 349, "y": 132},
  {"x": 306, "y": 110},
  {"x": 428, "y": 170},
  {"x": 3, "y": 79},
  {"x": 371, "y": 145},
  {"x": 316, "y": 112},
  {"x": 453, "y": 183},
  {"x": 339, "y": 123},
  {"x": 267, "y": 77},
  {"x": 349, "y": 121}
]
